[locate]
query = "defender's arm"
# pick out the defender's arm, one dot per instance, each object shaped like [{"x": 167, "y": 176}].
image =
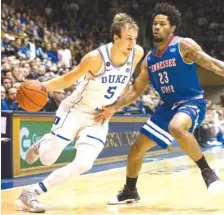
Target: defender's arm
[
  {"x": 192, "y": 51},
  {"x": 136, "y": 90}
]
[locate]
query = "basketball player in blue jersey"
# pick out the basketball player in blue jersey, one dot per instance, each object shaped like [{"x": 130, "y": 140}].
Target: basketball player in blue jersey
[
  {"x": 103, "y": 74},
  {"x": 171, "y": 68}
]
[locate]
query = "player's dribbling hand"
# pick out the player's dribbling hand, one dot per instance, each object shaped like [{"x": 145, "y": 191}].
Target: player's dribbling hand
[{"x": 105, "y": 114}]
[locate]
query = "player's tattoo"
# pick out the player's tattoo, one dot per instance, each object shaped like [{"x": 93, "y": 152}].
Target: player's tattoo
[{"x": 191, "y": 50}]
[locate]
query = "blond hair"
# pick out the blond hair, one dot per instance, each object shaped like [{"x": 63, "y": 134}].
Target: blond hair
[{"x": 121, "y": 20}]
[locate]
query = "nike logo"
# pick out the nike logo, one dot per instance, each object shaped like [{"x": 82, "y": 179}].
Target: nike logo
[{"x": 108, "y": 69}]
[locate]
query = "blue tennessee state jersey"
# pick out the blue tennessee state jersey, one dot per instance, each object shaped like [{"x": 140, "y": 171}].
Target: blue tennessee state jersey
[{"x": 171, "y": 76}]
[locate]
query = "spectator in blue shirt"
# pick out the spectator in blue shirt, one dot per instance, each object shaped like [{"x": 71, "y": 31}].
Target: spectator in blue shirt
[
  {"x": 24, "y": 50},
  {"x": 39, "y": 51},
  {"x": 10, "y": 103},
  {"x": 50, "y": 54}
]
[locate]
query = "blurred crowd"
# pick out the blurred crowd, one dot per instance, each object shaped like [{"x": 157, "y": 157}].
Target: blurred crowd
[
  {"x": 212, "y": 130},
  {"x": 44, "y": 39}
]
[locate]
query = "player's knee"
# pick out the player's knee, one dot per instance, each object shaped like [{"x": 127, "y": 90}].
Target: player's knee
[
  {"x": 135, "y": 151},
  {"x": 83, "y": 166},
  {"x": 47, "y": 159},
  {"x": 175, "y": 130},
  {"x": 48, "y": 154},
  {"x": 50, "y": 150}
]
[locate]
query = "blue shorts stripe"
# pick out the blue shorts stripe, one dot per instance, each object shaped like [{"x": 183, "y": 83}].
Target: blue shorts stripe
[
  {"x": 57, "y": 135},
  {"x": 164, "y": 134},
  {"x": 95, "y": 138},
  {"x": 154, "y": 138}
]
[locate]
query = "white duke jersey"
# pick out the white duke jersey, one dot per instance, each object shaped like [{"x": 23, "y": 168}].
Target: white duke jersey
[{"x": 104, "y": 88}]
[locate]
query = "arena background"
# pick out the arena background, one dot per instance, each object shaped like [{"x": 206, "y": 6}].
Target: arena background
[{"x": 45, "y": 39}]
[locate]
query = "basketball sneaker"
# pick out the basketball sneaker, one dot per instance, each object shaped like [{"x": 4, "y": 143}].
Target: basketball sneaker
[
  {"x": 28, "y": 201},
  {"x": 32, "y": 153},
  {"x": 212, "y": 181},
  {"x": 124, "y": 196}
]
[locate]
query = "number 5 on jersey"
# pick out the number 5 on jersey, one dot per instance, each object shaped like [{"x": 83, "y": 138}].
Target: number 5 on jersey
[{"x": 110, "y": 92}]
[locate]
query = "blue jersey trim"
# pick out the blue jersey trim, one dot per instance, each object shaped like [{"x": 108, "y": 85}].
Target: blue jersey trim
[
  {"x": 95, "y": 138},
  {"x": 42, "y": 186},
  {"x": 101, "y": 54},
  {"x": 107, "y": 50},
  {"x": 133, "y": 57},
  {"x": 57, "y": 135}
]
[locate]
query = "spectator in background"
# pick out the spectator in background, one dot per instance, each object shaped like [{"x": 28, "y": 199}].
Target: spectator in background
[
  {"x": 17, "y": 44},
  {"x": 54, "y": 49},
  {"x": 147, "y": 103},
  {"x": 22, "y": 33},
  {"x": 9, "y": 103},
  {"x": 72, "y": 23},
  {"x": 3, "y": 93},
  {"x": 39, "y": 50},
  {"x": 51, "y": 54},
  {"x": 212, "y": 124},
  {"x": 7, "y": 83},
  {"x": 150, "y": 100},
  {"x": 64, "y": 56},
  {"x": 24, "y": 50},
  {"x": 7, "y": 48},
  {"x": 141, "y": 107},
  {"x": 8, "y": 74},
  {"x": 54, "y": 101},
  {"x": 23, "y": 19},
  {"x": 17, "y": 27},
  {"x": 32, "y": 48},
  {"x": 220, "y": 134}
]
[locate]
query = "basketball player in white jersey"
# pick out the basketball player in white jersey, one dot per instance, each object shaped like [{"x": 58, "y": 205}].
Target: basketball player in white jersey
[{"x": 103, "y": 75}]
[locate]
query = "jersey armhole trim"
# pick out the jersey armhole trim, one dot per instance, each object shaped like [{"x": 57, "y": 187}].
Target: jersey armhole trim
[
  {"x": 96, "y": 75},
  {"x": 146, "y": 58},
  {"x": 133, "y": 57}
]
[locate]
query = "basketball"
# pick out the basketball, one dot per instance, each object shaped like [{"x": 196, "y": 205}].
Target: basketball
[{"x": 32, "y": 96}]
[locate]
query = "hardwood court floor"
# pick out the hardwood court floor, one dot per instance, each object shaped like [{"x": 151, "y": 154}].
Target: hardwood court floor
[{"x": 171, "y": 186}]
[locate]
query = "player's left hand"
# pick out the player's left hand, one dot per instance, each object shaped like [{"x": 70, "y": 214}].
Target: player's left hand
[{"x": 105, "y": 114}]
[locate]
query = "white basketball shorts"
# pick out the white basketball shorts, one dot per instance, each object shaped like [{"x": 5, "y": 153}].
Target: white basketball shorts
[{"x": 79, "y": 125}]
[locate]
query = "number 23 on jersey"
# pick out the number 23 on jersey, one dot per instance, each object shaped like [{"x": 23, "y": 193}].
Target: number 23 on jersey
[{"x": 163, "y": 78}]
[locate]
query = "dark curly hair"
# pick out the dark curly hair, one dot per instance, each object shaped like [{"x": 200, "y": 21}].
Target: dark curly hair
[{"x": 169, "y": 10}]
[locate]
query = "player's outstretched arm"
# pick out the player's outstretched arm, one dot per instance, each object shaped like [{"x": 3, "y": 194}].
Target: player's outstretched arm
[
  {"x": 90, "y": 62},
  {"x": 136, "y": 90},
  {"x": 192, "y": 51}
]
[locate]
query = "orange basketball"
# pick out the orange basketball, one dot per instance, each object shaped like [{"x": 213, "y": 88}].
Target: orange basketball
[{"x": 32, "y": 96}]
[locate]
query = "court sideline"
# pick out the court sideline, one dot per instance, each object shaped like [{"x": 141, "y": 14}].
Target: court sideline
[{"x": 166, "y": 186}]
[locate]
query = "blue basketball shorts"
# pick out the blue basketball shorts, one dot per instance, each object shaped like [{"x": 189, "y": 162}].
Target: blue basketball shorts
[{"x": 156, "y": 128}]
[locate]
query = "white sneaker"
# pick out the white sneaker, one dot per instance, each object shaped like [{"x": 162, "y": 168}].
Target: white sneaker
[
  {"x": 215, "y": 187},
  {"x": 28, "y": 201}
]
